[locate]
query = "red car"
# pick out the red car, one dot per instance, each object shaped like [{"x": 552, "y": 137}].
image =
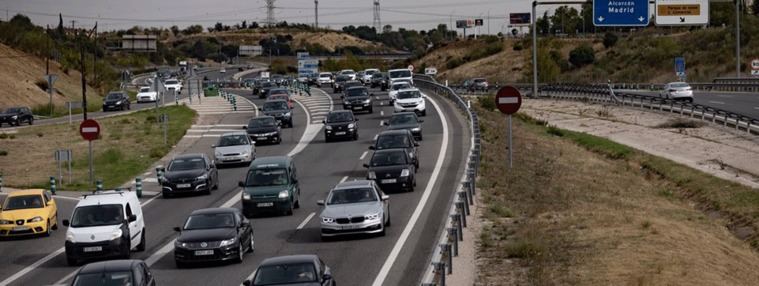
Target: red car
[{"x": 284, "y": 97}]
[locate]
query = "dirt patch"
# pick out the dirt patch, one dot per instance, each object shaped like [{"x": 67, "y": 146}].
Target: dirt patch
[
  {"x": 577, "y": 217},
  {"x": 329, "y": 39}
]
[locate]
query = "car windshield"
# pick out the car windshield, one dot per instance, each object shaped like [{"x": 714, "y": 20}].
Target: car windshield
[
  {"x": 678, "y": 85},
  {"x": 393, "y": 141},
  {"x": 266, "y": 177},
  {"x": 400, "y": 73},
  {"x": 206, "y": 221},
  {"x": 352, "y": 196},
  {"x": 400, "y": 119},
  {"x": 275, "y": 105},
  {"x": 325, "y": 76},
  {"x": 479, "y": 80},
  {"x": 277, "y": 91},
  {"x": 348, "y": 72},
  {"x": 342, "y": 78},
  {"x": 187, "y": 164},
  {"x": 171, "y": 82},
  {"x": 23, "y": 202},
  {"x": 97, "y": 215},
  {"x": 280, "y": 97},
  {"x": 262, "y": 122},
  {"x": 339, "y": 117},
  {"x": 13, "y": 110},
  {"x": 409, "y": 94},
  {"x": 388, "y": 158},
  {"x": 145, "y": 89},
  {"x": 104, "y": 279},
  {"x": 285, "y": 274},
  {"x": 267, "y": 84},
  {"x": 357, "y": 92},
  {"x": 113, "y": 96},
  {"x": 233, "y": 140},
  {"x": 377, "y": 75},
  {"x": 401, "y": 86},
  {"x": 370, "y": 72}
]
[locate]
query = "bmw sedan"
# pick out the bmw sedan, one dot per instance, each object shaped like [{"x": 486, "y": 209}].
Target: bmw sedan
[
  {"x": 392, "y": 169},
  {"x": 190, "y": 173},
  {"x": 304, "y": 270},
  {"x": 354, "y": 207},
  {"x": 214, "y": 234},
  {"x": 677, "y": 91}
]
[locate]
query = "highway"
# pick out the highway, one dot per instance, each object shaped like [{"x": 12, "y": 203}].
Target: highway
[
  {"x": 355, "y": 260},
  {"x": 741, "y": 103}
]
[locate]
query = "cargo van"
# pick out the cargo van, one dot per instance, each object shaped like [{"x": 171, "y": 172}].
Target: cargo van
[{"x": 271, "y": 185}]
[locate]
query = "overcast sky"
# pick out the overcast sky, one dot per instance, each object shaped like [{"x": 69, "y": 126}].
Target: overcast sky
[{"x": 119, "y": 14}]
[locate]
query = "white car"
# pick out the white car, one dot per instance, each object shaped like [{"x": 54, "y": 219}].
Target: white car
[
  {"x": 395, "y": 87},
  {"x": 103, "y": 225},
  {"x": 400, "y": 74},
  {"x": 325, "y": 78},
  {"x": 677, "y": 91},
  {"x": 350, "y": 73},
  {"x": 410, "y": 100},
  {"x": 173, "y": 85},
  {"x": 234, "y": 148},
  {"x": 368, "y": 73},
  {"x": 145, "y": 95},
  {"x": 223, "y": 70}
]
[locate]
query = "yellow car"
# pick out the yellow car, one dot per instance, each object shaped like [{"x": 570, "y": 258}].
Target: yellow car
[{"x": 28, "y": 212}]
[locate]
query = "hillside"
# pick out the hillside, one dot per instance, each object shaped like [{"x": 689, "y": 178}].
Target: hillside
[{"x": 19, "y": 74}]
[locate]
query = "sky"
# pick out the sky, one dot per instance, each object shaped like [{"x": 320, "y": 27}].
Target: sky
[{"x": 124, "y": 14}]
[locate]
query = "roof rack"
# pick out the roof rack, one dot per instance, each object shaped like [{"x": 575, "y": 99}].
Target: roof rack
[{"x": 119, "y": 191}]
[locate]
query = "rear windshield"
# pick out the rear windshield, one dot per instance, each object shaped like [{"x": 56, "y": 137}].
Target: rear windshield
[
  {"x": 97, "y": 215},
  {"x": 171, "y": 82},
  {"x": 285, "y": 274},
  {"x": 679, "y": 85},
  {"x": 393, "y": 141},
  {"x": 403, "y": 119},
  {"x": 400, "y": 73}
]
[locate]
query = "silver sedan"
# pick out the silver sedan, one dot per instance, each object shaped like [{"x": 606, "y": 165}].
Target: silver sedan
[
  {"x": 234, "y": 148},
  {"x": 355, "y": 207}
]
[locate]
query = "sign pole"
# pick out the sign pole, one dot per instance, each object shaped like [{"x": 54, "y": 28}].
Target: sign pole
[
  {"x": 511, "y": 152},
  {"x": 90, "y": 158},
  {"x": 71, "y": 157},
  {"x": 70, "y": 120}
]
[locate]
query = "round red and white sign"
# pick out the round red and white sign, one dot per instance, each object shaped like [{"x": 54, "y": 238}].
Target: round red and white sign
[
  {"x": 411, "y": 68},
  {"x": 508, "y": 99},
  {"x": 89, "y": 129},
  {"x": 755, "y": 64}
]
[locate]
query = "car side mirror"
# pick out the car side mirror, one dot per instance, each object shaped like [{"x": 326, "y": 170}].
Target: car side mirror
[
  {"x": 320, "y": 202},
  {"x": 244, "y": 127},
  {"x": 132, "y": 218},
  {"x": 324, "y": 121},
  {"x": 366, "y": 165},
  {"x": 261, "y": 108},
  {"x": 372, "y": 147},
  {"x": 66, "y": 222},
  {"x": 177, "y": 229},
  {"x": 385, "y": 197},
  {"x": 326, "y": 277},
  {"x": 385, "y": 123},
  {"x": 240, "y": 184},
  {"x": 213, "y": 146},
  {"x": 246, "y": 283},
  {"x": 416, "y": 144}
]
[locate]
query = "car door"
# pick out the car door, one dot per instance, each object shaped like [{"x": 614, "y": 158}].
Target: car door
[
  {"x": 51, "y": 208},
  {"x": 147, "y": 275},
  {"x": 385, "y": 204},
  {"x": 134, "y": 228},
  {"x": 246, "y": 234},
  {"x": 294, "y": 181}
]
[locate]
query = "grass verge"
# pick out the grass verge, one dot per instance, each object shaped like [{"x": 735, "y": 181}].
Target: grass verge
[
  {"x": 128, "y": 145},
  {"x": 579, "y": 209}
]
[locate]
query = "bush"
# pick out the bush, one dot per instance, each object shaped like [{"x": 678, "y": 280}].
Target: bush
[
  {"x": 3, "y": 153},
  {"x": 518, "y": 47},
  {"x": 42, "y": 84},
  {"x": 610, "y": 39},
  {"x": 487, "y": 102},
  {"x": 582, "y": 55},
  {"x": 453, "y": 63}
]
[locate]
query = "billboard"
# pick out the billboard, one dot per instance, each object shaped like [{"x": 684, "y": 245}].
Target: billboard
[
  {"x": 138, "y": 43},
  {"x": 463, "y": 24},
  {"x": 251, "y": 51},
  {"x": 307, "y": 66},
  {"x": 478, "y": 22},
  {"x": 520, "y": 18},
  {"x": 682, "y": 12}
]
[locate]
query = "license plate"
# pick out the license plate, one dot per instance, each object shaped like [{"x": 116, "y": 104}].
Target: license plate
[
  {"x": 350, "y": 227},
  {"x": 183, "y": 186},
  {"x": 17, "y": 228},
  {"x": 270, "y": 204},
  {"x": 203, "y": 252},
  {"x": 339, "y": 133},
  {"x": 260, "y": 138},
  {"x": 357, "y": 108},
  {"x": 388, "y": 181},
  {"x": 93, "y": 249}
]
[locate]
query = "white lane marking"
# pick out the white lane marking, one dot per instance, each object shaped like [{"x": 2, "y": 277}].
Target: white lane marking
[
  {"x": 382, "y": 113},
  {"x": 382, "y": 123},
  {"x": 363, "y": 155},
  {"x": 343, "y": 179},
  {"x": 376, "y": 136},
  {"x": 757, "y": 108},
  {"x": 31, "y": 267},
  {"x": 214, "y": 130},
  {"x": 308, "y": 134},
  {"x": 385, "y": 270},
  {"x": 305, "y": 221},
  {"x": 716, "y": 102}
]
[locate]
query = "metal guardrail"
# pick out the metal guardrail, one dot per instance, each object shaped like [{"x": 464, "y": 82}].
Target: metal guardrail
[
  {"x": 602, "y": 94},
  {"x": 441, "y": 262},
  {"x": 732, "y": 85}
]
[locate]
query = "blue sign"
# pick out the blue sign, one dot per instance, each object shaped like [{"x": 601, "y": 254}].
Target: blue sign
[
  {"x": 631, "y": 13},
  {"x": 680, "y": 66}
]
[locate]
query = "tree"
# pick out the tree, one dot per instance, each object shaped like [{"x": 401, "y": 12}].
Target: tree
[
  {"x": 61, "y": 32},
  {"x": 174, "y": 30},
  {"x": 387, "y": 29},
  {"x": 218, "y": 27},
  {"x": 582, "y": 55},
  {"x": 254, "y": 25},
  {"x": 610, "y": 39},
  {"x": 543, "y": 24},
  {"x": 244, "y": 24},
  {"x": 755, "y": 8}
]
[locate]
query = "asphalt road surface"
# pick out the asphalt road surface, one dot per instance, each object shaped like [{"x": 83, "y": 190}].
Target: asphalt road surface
[
  {"x": 354, "y": 260},
  {"x": 741, "y": 103}
]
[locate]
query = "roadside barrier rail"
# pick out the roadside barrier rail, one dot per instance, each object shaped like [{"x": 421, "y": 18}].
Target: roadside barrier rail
[{"x": 447, "y": 245}]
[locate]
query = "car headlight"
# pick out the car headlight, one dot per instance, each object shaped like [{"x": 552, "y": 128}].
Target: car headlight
[
  {"x": 217, "y": 154},
  {"x": 350, "y": 126},
  {"x": 116, "y": 234},
  {"x": 14, "y": 116},
  {"x": 36, "y": 219},
  {"x": 371, "y": 175},
  {"x": 328, "y": 220},
  {"x": 288, "y": 114},
  {"x": 405, "y": 173},
  {"x": 118, "y": 102},
  {"x": 180, "y": 244},
  {"x": 411, "y": 154},
  {"x": 5, "y": 221},
  {"x": 328, "y": 127},
  {"x": 202, "y": 178},
  {"x": 416, "y": 129},
  {"x": 245, "y": 196},
  {"x": 244, "y": 153},
  {"x": 227, "y": 242},
  {"x": 284, "y": 194},
  {"x": 69, "y": 237},
  {"x": 372, "y": 216}
]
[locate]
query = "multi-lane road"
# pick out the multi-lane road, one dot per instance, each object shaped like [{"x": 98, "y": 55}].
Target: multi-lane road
[{"x": 399, "y": 258}]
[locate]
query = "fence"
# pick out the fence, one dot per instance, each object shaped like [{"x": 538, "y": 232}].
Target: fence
[{"x": 441, "y": 262}]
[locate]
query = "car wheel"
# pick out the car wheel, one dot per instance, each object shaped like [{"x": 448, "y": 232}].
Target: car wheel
[
  {"x": 690, "y": 100},
  {"x": 388, "y": 217},
  {"x": 424, "y": 112},
  {"x": 289, "y": 211},
  {"x": 382, "y": 233},
  {"x": 127, "y": 249},
  {"x": 180, "y": 264},
  {"x": 129, "y": 107},
  {"x": 48, "y": 230},
  {"x": 165, "y": 195},
  {"x": 326, "y": 139},
  {"x": 141, "y": 246},
  {"x": 371, "y": 110},
  {"x": 240, "y": 254},
  {"x": 355, "y": 136},
  {"x": 297, "y": 203},
  {"x": 252, "y": 245},
  {"x": 18, "y": 122},
  {"x": 71, "y": 261},
  {"x": 31, "y": 121}
]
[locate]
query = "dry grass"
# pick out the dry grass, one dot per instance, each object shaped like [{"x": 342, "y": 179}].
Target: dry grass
[
  {"x": 681, "y": 123},
  {"x": 329, "y": 39},
  {"x": 577, "y": 217},
  {"x": 128, "y": 144}
]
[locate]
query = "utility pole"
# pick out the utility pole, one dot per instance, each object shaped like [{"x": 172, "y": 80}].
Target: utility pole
[
  {"x": 72, "y": 24},
  {"x": 316, "y": 14},
  {"x": 488, "y": 22},
  {"x": 377, "y": 23},
  {"x": 47, "y": 68},
  {"x": 738, "y": 38},
  {"x": 95, "y": 57},
  {"x": 84, "y": 80}
]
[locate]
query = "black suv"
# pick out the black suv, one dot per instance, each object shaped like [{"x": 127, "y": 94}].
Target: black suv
[
  {"x": 406, "y": 120},
  {"x": 340, "y": 124},
  {"x": 358, "y": 98},
  {"x": 280, "y": 110},
  {"x": 392, "y": 169},
  {"x": 116, "y": 100},
  {"x": 398, "y": 139},
  {"x": 340, "y": 80},
  {"x": 379, "y": 80},
  {"x": 16, "y": 115}
]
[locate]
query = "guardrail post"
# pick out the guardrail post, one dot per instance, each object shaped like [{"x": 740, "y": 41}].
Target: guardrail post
[
  {"x": 1, "y": 182},
  {"x": 440, "y": 269},
  {"x": 138, "y": 186},
  {"x": 453, "y": 233},
  {"x": 52, "y": 185},
  {"x": 99, "y": 185},
  {"x": 456, "y": 220},
  {"x": 445, "y": 248},
  {"x": 465, "y": 199},
  {"x": 461, "y": 212}
]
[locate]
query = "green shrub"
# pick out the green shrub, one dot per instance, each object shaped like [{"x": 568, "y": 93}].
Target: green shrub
[
  {"x": 610, "y": 39},
  {"x": 582, "y": 55},
  {"x": 3, "y": 153},
  {"x": 487, "y": 102},
  {"x": 453, "y": 63}
]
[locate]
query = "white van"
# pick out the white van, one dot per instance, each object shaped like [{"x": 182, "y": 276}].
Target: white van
[
  {"x": 105, "y": 224},
  {"x": 400, "y": 74}
]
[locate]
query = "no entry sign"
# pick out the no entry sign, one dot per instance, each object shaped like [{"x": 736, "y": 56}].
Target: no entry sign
[
  {"x": 89, "y": 129},
  {"x": 508, "y": 99}
]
